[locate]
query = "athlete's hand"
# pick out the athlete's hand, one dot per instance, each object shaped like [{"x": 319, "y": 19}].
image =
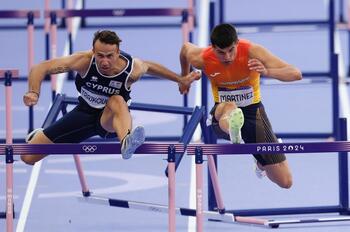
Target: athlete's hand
[
  {"x": 186, "y": 81},
  {"x": 258, "y": 66},
  {"x": 30, "y": 98}
]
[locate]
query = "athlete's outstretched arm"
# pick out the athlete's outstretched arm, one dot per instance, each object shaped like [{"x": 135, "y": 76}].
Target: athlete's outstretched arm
[
  {"x": 54, "y": 66},
  {"x": 267, "y": 64},
  {"x": 156, "y": 69}
]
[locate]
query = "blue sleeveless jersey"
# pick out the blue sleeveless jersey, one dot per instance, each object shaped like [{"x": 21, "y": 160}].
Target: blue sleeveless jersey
[{"x": 96, "y": 88}]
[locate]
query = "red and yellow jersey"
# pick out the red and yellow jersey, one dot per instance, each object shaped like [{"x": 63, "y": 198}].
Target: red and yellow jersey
[{"x": 234, "y": 81}]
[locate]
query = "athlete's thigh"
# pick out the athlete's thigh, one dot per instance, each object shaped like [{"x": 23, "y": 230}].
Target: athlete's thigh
[
  {"x": 258, "y": 129},
  {"x": 74, "y": 127},
  {"x": 106, "y": 120},
  {"x": 116, "y": 109}
]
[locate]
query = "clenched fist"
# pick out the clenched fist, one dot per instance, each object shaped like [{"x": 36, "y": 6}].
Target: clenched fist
[{"x": 30, "y": 98}]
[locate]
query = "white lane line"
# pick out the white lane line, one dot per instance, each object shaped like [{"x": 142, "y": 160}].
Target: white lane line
[
  {"x": 36, "y": 169},
  {"x": 343, "y": 89},
  {"x": 28, "y": 197}
]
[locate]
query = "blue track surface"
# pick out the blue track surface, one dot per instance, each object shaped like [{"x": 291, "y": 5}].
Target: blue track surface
[{"x": 291, "y": 108}]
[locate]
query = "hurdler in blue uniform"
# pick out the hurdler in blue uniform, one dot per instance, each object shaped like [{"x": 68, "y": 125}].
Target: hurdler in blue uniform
[
  {"x": 104, "y": 78},
  {"x": 96, "y": 88}
]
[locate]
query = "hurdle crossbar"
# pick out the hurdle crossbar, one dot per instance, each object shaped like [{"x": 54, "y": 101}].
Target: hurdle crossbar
[
  {"x": 161, "y": 148},
  {"x": 118, "y": 12},
  {"x": 270, "y": 148},
  {"x": 87, "y": 148},
  {"x": 159, "y": 208},
  {"x": 7, "y": 14}
]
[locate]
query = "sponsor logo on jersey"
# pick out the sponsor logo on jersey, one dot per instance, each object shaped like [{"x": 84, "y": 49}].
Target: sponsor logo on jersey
[
  {"x": 235, "y": 82},
  {"x": 94, "y": 79},
  {"x": 214, "y": 74}
]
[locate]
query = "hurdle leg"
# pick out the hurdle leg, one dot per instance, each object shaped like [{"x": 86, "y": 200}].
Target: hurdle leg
[
  {"x": 30, "y": 32},
  {"x": 199, "y": 189},
  {"x": 83, "y": 183},
  {"x": 215, "y": 181},
  {"x": 171, "y": 189},
  {"x": 251, "y": 220},
  {"x": 9, "y": 189},
  {"x": 53, "y": 37},
  {"x": 9, "y": 214}
]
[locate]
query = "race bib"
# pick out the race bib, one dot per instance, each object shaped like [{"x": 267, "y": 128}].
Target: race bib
[
  {"x": 242, "y": 97},
  {"x": 94, "y": 100}
]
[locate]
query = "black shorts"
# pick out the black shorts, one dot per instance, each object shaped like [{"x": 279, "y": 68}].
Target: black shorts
[
  {"x": 256, "y": 129},
  {"x": 78, "y": 125}
]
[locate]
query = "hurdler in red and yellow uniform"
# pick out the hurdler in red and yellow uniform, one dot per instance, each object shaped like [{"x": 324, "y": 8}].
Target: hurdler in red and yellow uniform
[
  {"x": 233, "y": 66},
  {"x": 235, "y": 82},
  {"x": 232, "y": 82}
]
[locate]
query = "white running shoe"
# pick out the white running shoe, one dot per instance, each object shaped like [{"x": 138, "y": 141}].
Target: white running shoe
[
  {"x": 258, "y": 172},
  {"x": 30, "y": 136},
  {"x": 132, "y": 141},
  {"x": 235, "y": 121}
]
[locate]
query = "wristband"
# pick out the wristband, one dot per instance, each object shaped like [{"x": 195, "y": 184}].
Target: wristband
[{"x": 37, "y": 94}]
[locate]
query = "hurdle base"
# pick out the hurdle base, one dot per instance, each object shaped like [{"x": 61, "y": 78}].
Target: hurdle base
[
  {"x": 100, "y": 200},
  {"x": 276, "y": 223},
  {"x": 220, "y": 211},
  {"x": 345, "y": 213},
  {"x": 209, "y": 215},
  {"x": 86, "y": 194}
]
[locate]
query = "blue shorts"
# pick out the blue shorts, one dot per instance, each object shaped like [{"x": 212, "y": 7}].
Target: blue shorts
[{"x": 78, "y": 125}]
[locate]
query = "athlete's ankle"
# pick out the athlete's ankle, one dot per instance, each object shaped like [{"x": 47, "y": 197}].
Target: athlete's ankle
[{"x": 123, "y": 139}]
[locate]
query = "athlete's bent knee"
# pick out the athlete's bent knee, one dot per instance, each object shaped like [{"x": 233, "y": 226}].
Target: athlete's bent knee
[
  {"x": 230, "y": 106},
  {"x": 115, "y": 100},
  {"x": 27, "y": 160},
  {"x": 286, "y": 182}
]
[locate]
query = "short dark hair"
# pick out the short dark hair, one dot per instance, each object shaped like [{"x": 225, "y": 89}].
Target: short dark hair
[
  {"x": 223, "y": 35},
  {"x": 106, "y": 36}
]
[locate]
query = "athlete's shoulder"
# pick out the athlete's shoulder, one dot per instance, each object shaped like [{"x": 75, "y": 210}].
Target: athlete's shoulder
[
  {"x": 126, "y": 54},
  {"x": 207, "y": 52},
  {"x": 81, "y": 57},
  {"x": 244, "y": 41},
  {"x": 193, "y": 54},
  {"x": 84, "y": 54},
  {"x": 191, "y": 50},
  {"x": 81, "y": 60},
  {"x": 208, "y": 55},
  {"x": 244, "y": 44}
]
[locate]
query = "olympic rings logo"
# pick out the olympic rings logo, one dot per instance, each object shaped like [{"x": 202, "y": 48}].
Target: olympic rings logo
[{"x": 89, "y": 148}]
